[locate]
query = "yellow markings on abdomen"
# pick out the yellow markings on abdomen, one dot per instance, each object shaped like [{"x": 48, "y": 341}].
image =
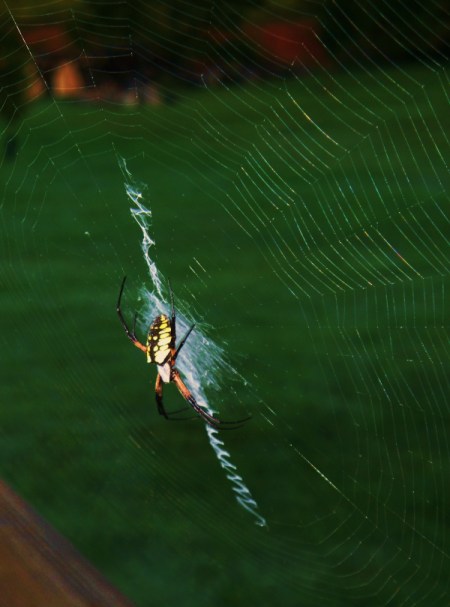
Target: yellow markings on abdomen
[{"x": 159, "y": 340}]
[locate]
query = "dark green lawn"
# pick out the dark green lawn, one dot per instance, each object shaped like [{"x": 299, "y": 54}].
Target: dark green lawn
[{"x": 312, "y": 215}]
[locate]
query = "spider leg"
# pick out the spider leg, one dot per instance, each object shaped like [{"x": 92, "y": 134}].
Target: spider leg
[
  {"x": 130, "y": 334},
  {"x": 159, "y": 396},
  {"x": 173, "y": 326},
  {"x": 172, "y": 316},
  {"x": 211, "y": 420},
  {"x": 159, "y": 403},
  {"x": 182, "y": 342}
]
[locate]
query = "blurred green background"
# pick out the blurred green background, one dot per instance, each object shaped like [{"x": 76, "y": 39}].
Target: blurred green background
[{"x": 301, "y": 222}]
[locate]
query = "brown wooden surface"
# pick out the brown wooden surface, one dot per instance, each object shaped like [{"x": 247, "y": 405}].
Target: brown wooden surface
[{"x": 39, "y": 568}]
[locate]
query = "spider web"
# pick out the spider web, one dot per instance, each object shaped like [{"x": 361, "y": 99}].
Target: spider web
[
  {"x": 284, "y": 164},
  {"x": 203, "y": 353}
]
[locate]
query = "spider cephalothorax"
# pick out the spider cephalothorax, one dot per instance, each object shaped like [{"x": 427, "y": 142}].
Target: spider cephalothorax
[{"x": 162, "y": 351}]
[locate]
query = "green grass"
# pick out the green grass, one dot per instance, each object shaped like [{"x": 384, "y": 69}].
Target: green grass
[{"x": 353, "y": 372}]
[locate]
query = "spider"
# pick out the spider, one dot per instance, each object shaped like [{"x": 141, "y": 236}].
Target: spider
[{"x": 161, "y": 350}]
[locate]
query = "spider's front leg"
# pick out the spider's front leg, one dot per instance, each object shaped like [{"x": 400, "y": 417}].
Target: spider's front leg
[
  {"x": 159, "y": 402},
  {"x": 186, "y": 394},
  {"x": 159, "y": 396},
  {"x": 208, "y": 418}
]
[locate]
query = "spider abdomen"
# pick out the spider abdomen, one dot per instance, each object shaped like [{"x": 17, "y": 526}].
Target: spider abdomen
[{"x": 159, "y": 340}]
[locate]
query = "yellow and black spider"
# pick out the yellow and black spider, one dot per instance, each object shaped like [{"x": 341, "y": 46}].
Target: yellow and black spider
[{"x": 161, "y": 350}]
